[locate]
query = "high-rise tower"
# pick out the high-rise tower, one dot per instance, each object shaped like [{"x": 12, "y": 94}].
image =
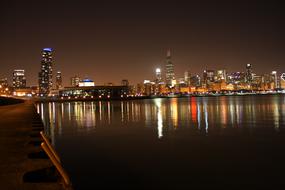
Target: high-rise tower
[
  {"x": 169, "y": 70},
  {"x": 157, "y": 75},
  {"x": 58, "y": 80},
  {"x": 19, "y": 79},
  {"x": 248, "y": 74},
  {"x": 282, "y": 80},
  {"x": 45, "y": 75},
  {"x": 187, "y": 76}
]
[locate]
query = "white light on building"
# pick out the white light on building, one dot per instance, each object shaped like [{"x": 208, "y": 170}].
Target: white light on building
[{"x": 86, "y": 82}]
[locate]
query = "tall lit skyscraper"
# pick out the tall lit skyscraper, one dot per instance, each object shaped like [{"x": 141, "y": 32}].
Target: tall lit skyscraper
[
  {"x": 195, "y": 80},
  {"x": 282, "y": 81},
  {"x": 158, "y": 75},
  {"x": 170, "y": 77},
  {"x": 19, "y": 79},
  {"x": 187, "y": 76},
  {"x": 45, "y": 75},
  {"x": 208, "y": 77},
  {"x": 58, "y": 80},
  {"x": 274, "y": 79},
  {"x": 248, "y": 74}
]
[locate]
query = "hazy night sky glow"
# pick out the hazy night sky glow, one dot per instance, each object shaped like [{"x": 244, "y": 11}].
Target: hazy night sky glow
[{"x": 111, "y": 41}]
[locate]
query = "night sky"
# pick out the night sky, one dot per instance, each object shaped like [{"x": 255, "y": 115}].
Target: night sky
[{"x": 110, "y": 41}]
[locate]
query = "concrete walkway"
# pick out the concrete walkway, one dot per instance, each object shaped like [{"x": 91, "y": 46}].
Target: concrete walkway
[{"x": 16, "y": 134}]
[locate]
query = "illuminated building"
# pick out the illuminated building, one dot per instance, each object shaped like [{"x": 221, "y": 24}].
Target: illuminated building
[
  {"x": 95, "y": 91},
  {"x": 149, "y": 87},
  {"x": 195, "y": 81},
  {"x": 75, "y": 81},
  {"x": 45, "y": 75},
  {"x": 221, "y": 75},
  {"x": 184, "y": 90},
  {"x": 58, "y": 80},
  {"x": 86, "y": 82},
  {"x": 139, "y": 89},
  {"x": 170, "y": 77},
  {"x": 208, "y": 77},
  {"x": 248, "y": 74},
  {"x": 158, "y": 87},
  {"x": 125, "y": 82},
  {"x": 187, "y": 78},
  {"x": 4, "y": 89},
  {"x": 158, "y": 78},
  {"x": 109, "y": 84},
  {"x": 3, "y": 83},
  {"x": 223, "y": 85},
  {"x": 256, "y": 82},
  {"x": 282, "y": 81},
  {"x": 23, "y": 92},
  {"x": 216, "y": 86},
  {"x": 19, "y": 79},
  {"x": 274, "y": 79},
  {"x": 236, "y": 77},
  {"x": 266, "y": 82}
]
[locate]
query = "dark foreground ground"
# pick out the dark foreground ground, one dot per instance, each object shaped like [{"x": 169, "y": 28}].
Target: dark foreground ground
[
  {"x": 120, "y": 159},
  {"x": 9, "y": 101},
  {"x": 22, "y": 164}
]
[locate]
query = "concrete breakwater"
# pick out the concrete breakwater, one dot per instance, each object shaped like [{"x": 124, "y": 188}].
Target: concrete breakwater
[
  {"x": 9, "y": 101},
  {"x": 23, "y": 164}
]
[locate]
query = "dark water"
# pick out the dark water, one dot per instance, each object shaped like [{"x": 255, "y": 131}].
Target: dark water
[{"x": 198, "y": 142}]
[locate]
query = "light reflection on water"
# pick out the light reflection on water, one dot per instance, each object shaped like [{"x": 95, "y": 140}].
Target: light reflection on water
[{"x": 203, "y": 114}]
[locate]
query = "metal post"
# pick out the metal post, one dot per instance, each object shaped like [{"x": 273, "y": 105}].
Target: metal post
[
  {"x": 57, "y": 164},
  {"x": 50, "y": 146}
]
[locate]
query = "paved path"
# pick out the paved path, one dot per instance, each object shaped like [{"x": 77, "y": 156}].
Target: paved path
[{"x": 16, "y": 123}]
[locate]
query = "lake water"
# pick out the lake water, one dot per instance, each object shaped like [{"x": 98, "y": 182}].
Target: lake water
[{"x": 195, "y": 142}]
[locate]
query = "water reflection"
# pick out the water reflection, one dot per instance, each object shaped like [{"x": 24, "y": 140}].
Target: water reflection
[
  {"x": 204, "y": 114},
  {"x": 159, "y": 118},
  {"x": 174, "y": 112}
]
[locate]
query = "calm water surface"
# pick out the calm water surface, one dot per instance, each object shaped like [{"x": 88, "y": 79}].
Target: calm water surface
[{"x": 178, "y": 142}]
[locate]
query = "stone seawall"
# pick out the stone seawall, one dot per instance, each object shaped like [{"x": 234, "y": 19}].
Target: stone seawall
[
  {"x": 9, "y": 101},
  {"x": 23, "y": 164}
]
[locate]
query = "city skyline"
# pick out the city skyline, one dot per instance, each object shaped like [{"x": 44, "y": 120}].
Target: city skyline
[
  {"x": 163, "y": 72},
  {"x": 112, "y": 41}
]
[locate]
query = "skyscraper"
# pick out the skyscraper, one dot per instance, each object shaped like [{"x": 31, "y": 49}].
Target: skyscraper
[
  {"x": 58, "y": 80},
  {"x": 19, "y": 79},
  {"x": 158, "y": 75},
  {"x": 195, "y": 80},
  {"x": 170, "y": 77},
  {"x": 45, "y": 75},
  {"x": 248, "y": 74},
  {"x": 187, "y": 76},
  {"x": 282, "y": 80},
  {"x": 208, "y": 77}
]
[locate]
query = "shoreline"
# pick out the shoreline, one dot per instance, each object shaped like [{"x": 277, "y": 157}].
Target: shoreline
[
  {"x": 5, "y": 101},
  {"x": 24, "y": 164},
  {"x": 86, "y": 99}
]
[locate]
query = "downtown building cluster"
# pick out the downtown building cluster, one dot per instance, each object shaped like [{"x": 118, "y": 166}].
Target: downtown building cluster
[
  {"x": 210, "y": 81},
  {"x": 163, "y": 83},
  {"x": 45, "y": 80}
]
